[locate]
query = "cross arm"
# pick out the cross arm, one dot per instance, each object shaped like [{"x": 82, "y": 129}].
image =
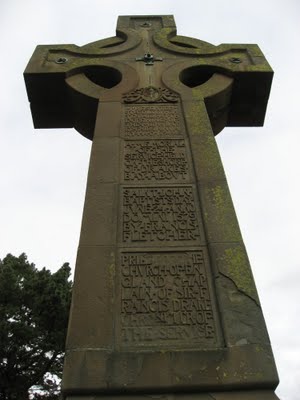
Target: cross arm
[
  {"x": 251, "y": 83},
  {"x": 246, "y": 104},
  {"x": 46, "y": 75},
  {"x": 252, "y": 80},
  {"x": 245, "y": 63},
  {"x": 47, "y": 92}
]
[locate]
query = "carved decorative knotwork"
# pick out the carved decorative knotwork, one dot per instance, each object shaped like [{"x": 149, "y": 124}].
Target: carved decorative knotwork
[{"x": 151, "y": 94}]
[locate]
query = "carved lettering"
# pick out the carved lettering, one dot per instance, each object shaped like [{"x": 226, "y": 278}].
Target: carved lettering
[
  {"x": 155, "y": 160},
  {"x": 165, "y": 297},
  {"x": 160, "y": 214},
  {"x": 152, "y": 121}
]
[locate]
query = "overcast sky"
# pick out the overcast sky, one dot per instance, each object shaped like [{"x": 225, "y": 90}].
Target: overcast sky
[{"x": 43, "y": 173}]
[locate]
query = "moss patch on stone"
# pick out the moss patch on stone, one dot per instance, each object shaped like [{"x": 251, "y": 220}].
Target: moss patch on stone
[
  {"x": 222, "y": 225},
  {"x": 238, "y": 269}
]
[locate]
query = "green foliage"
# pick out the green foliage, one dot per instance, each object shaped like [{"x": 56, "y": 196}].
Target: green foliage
[{"x": 34, "y": 310}]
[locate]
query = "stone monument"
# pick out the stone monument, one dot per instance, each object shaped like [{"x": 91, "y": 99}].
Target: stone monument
[{"x": 164, "y": 303}]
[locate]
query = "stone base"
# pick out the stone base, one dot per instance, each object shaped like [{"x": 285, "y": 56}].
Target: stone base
[{"x": 236, "y": 395}]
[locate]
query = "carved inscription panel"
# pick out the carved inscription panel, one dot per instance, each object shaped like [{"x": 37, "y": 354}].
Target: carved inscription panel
[
  {"x": 165, "y": 299},
  {"x": 152, "y": 121},
  {"x": 155, "y": 160},
  {"x": 159, "y": 214},
  {"x": 165, "y": 295}
]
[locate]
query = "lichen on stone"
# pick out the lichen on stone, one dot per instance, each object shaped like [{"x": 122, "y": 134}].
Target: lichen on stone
[{"x": 238, "y": 269}]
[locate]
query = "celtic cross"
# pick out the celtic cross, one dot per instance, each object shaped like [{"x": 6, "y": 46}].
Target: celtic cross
[{"x": 164, "y": 299}]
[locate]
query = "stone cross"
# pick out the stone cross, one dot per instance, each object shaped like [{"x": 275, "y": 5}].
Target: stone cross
[{"x": 164, "y": 299}]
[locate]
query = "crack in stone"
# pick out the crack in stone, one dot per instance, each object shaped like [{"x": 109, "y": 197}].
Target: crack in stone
[{"x": 240, "y": 290}]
